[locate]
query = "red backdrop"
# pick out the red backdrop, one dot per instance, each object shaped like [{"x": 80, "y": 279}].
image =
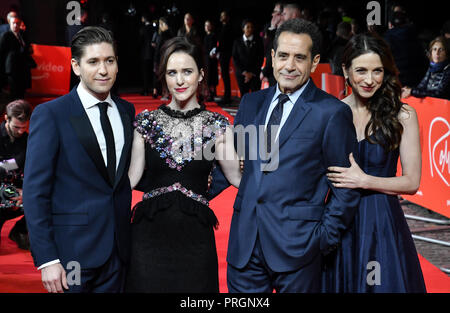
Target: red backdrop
[{"x": 52, "y": 74}]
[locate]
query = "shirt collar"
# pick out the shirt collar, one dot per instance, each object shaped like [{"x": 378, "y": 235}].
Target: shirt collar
[
  {"x": 293, "y": 97},
  {"x": 247, "y": 38},
  {"x": 87, "y": 100}
]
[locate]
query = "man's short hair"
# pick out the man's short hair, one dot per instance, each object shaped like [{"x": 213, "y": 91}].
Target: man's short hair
[
  {"x": 90, "y": 35},
  {"x": 20, "y": 109},
  {"x": 301, "y": 26},
  {"x": 292, "y": 6},
  {"x": 10, "y": 15}
]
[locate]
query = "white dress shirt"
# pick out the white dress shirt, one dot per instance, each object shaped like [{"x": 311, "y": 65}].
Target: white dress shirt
[
  {"x": 89, "y": 103},
  {"x": 287, "y": 106}
]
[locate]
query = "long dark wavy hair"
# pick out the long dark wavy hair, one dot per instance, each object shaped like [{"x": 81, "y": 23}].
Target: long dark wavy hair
[{"x": 385, "y": 104}]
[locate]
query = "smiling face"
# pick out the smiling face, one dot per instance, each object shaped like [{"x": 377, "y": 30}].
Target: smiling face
[
  {"x": 292, "y": 62},
  {"x": 366, "y": 74},
  {"x": 182, "y": 76},
  {"x": 97, "y": 69}
]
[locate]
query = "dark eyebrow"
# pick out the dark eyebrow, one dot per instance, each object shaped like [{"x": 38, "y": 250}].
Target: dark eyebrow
[
  {"x": 301, "y": 55},
  {"x": 183, "y": 69},
  {"x": 107, "y": 58}
]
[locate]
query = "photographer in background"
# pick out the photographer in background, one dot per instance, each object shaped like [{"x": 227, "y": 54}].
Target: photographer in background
[{"x": 13, "y": 145}]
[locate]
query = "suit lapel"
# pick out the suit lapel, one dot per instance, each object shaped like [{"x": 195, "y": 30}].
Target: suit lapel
[
  {"x": 86, "y": 135},
  {"x": 128, "y": 138},
  {"x": 299, "y": 111}
]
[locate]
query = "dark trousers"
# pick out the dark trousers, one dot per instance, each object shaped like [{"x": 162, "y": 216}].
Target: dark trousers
[
  {"x": 251, "y": 86},
  {"x": 147, "y": 75},
  {"x": 108, "y": 278},
  {"x": 225, "y": 72},
  {"x": 257, "y": 277},
  {"x": 17, "y": 88}
]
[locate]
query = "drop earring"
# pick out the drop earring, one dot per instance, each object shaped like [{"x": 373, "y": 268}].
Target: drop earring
[{"x": 346, "y": 87}]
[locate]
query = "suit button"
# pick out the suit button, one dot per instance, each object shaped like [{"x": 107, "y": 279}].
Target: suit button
[{"x": 260, "y": 201}]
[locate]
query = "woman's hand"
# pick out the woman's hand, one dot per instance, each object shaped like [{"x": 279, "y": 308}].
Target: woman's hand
[{"x": 347, "y": 177}]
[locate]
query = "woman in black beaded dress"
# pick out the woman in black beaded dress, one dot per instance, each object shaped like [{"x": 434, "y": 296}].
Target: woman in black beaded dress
[{"x": 173, "y": 245}]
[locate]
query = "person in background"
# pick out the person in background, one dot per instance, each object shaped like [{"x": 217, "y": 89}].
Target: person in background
[
  {"x": 225, "y": 39},
  {"x": 146, "y": 52},
  {"x": 13, "y": 146},
  {"x": 268, "y": 35},
  {"x": 15, "y": 52},
  {"x": 163, "y": 34},
  {"x": 248, "y": 56},
  {"x": 436, "y": 82},
  {"x": 343, "y": 34},
  {"x": 328, "y": 35},
  {"x": 210, "y": 55},
  {"x": 189, "y": 30},
  {"x": 290, "y": 11},
  {"x": 6, "y": 27},
  {"x": 406, "y": 49}
]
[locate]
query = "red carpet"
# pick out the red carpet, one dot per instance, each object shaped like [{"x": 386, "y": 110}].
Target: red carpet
[{"x": 18, "y": 274}]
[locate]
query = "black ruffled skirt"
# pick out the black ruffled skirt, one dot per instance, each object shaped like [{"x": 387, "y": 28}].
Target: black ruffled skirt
[{"x": 173, "y": 246}]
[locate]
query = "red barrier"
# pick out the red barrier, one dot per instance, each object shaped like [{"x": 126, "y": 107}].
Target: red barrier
[
  {"x": 52, "y": 74},
  {"x": 434, "y": 117},
  {"x": 334, "y": 85},
  {"x": 316, "y": 76}
]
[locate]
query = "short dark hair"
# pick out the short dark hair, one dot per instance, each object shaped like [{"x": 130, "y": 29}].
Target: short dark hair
[
  {"x": 20, "y": 109},
  {"x": 245, "y": 22},
  {"x": 90, "y": 35},
  {"x": 301, "y": 26},
  {"x": 177, "y": 44},
  {"x": 292, "y": 5}
]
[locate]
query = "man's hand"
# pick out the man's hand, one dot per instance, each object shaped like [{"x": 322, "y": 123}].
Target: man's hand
[
  {"x": 247, "y": 76},
  {"x": 54, "y": 278}
]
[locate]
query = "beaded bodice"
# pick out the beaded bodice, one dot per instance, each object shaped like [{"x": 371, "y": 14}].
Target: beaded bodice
[{"x": 179, "y": 146}]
